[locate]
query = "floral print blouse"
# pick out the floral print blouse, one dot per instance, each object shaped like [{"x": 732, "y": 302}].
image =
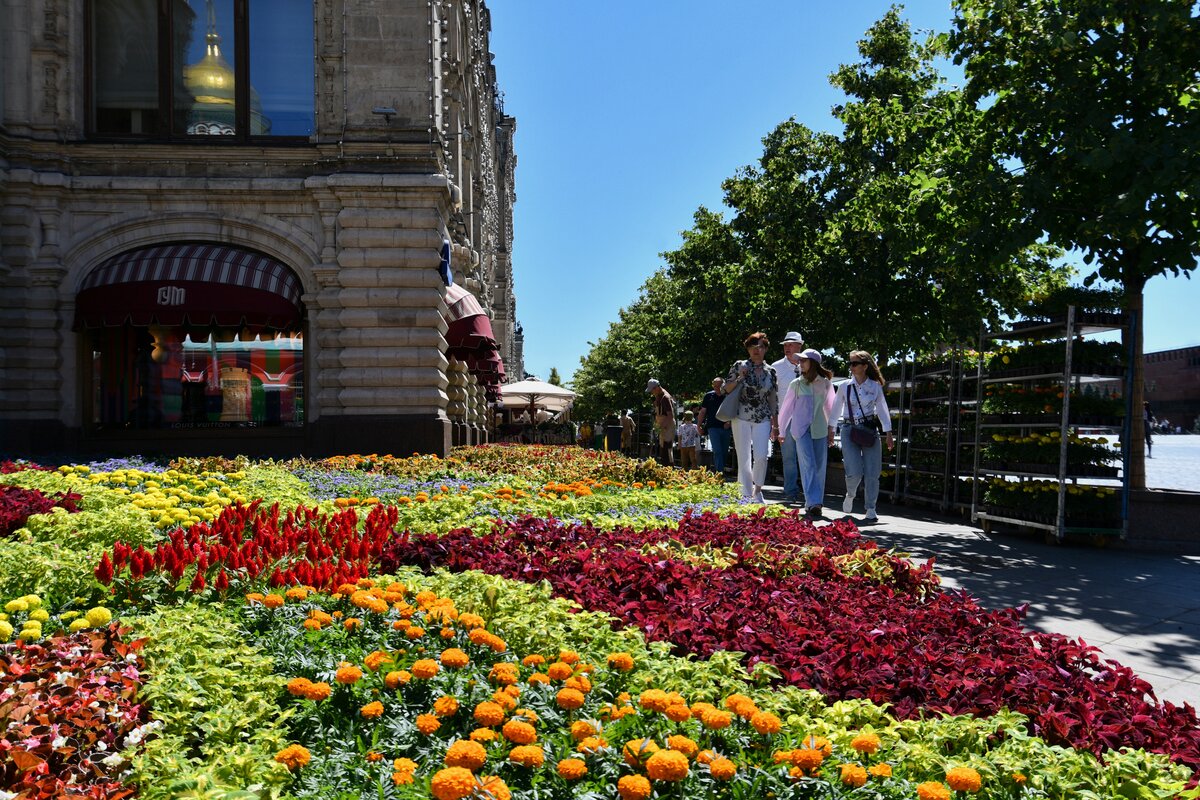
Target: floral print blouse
[{"x": 760, "y": 391}]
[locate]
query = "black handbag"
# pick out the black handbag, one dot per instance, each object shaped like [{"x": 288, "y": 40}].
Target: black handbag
[{"x": 863, "y": 435}]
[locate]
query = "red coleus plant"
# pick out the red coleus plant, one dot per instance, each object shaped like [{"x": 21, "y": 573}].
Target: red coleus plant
[
  {"x": 8, "y": 467},
  {"x": 67, "y": 707},
  {"x": 846, "y": 636},
  {"x": 17, "y": 505},
  {"x": 245, "y": 543}
]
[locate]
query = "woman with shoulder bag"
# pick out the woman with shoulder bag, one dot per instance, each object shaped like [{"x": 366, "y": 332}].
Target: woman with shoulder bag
[
  {"x": 805, "y": 413},
  {"x": 757, "y": 417},
  {"x": 866, "y": 416}
]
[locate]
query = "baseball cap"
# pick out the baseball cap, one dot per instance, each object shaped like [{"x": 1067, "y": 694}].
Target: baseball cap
[{"x": 652, "y": 384}]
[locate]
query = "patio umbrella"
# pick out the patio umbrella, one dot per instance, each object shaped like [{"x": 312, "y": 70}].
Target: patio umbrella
[{"x": 541, "y": 394}]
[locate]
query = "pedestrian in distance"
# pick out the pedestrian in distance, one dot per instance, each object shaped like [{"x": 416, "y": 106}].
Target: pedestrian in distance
[
  {"x": 1148, "y": 426},
  {"x": 862, "y": 403},
  {"x": 689, "y": 440},
  {"x": 805, "y": 417},
  {"x": 664, "y": 420},
  {"x": 787, "y": 369},
  {"x": 757, "y": 417},
  {"x": 718, "y": 432}
]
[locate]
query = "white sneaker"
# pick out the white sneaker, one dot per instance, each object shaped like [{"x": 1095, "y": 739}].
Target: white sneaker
[
  {"x": 848, "y": 504},
  {"x": 871, "y": 518},
  {"x": 758, "y": 497}
]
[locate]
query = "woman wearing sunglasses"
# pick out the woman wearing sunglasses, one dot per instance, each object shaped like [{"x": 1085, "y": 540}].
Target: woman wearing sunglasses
[
  {"x": 757, "y": 418},
  {"x": 860, "y": 401}
]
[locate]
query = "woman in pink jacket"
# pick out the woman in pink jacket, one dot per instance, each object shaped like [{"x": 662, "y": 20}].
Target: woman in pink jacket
[{"x": 805, "y": 413}]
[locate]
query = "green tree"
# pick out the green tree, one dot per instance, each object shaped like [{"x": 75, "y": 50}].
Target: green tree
[
  {"x": 555, "y": 379},
  {"x": 1097, "y": 104}
]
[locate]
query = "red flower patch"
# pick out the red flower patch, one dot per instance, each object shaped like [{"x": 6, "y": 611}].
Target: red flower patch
[{"x": 17, "y": 505}]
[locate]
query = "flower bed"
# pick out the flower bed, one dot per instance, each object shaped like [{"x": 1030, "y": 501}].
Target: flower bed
[{"x": 17, "y": 505}]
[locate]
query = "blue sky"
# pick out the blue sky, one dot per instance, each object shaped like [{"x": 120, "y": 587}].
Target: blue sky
[{"x": 629, "y": 116}]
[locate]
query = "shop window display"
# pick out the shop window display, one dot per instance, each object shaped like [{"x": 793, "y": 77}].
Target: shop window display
[{"x": 180, "y": 378}]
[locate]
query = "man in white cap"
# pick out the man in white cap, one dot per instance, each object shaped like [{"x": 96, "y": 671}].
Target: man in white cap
[
  {"x": 788, "y": 369},
  {"x": 664, "y": 420}
]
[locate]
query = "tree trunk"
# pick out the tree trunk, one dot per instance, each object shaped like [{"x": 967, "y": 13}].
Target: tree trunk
[{"x": 1137, "y": 430}]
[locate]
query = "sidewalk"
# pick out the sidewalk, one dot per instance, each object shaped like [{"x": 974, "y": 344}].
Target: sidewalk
[{"x": 1140, "y": 609}]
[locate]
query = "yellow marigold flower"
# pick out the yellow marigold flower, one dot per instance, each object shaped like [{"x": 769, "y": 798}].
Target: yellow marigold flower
[
  {"x": 865, "y": 743},
  {"x": 533, "y": 660},
  {"x": 633, "y": 787},
  {"x": 706, "y": 757},
  {"x": 425, "y": 668},
  {"x": 293, "y": 756},
  {"x": 683, "y": 744},
  {"x": 964, "y": 779},
  {"x": 581, "y": 729},
  {"x": 621, "y": 662},
  {"x": 454, "y": 658},
  {"x": 636, "y": 751},
  {"x": 467, "y": 754},
  {"x": 483, "y": 735},
  {"x": 428, "y": 723},
  {"x": 372, "y": 710},
  {"x": 376, "y": 660},
  {"x": 348, "y": 674},
  {"x": 766, "y": 723},
  {"x": 559, "y": 671},
  {"x": 716, "y": 719},
  {"x": 519, "y": 732},
  {"x": 445, "y": 706},
  {"x": 298, "y": 687},
  {"x": 491, "y": 786},
  {"x": 592, "y": 744},
  {"x": 527, "y": 755},
  {"x": 853, "y": 775},
  {"x": 572, "y": 769},
  {"x": 881, "y": 770},
  {"x": 452, "y": 783},
  {"x": 569, "y": 699},
  {"x": 397, "y": 678},
  {"x": 504, "y": 673},
  {"x": 722, "y": 769},
  {"x": 489, "y": 714},
  {"x": 273, "y": 600},
  {"x": 319, "y": 691},
  {"x": 932, "y": 790},
  {"x": 667, "y": 765}
]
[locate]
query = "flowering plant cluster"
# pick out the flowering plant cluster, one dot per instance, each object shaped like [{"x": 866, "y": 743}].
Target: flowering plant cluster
[
  {"x": 1045, "y": 448},
  {"x": 894, "y": 644},
  {"x": 1089, "y": 506},
  {"x": 8, "y": 467},
  {"x": 1032, "y": 403},
  {"x": 28, "y": 618},
  {"x": 17, "y": 505},
  {"x": 173, "y": 498},
  {"x": 1087, "y": 356},
  {"x": 67, "y": 706}
]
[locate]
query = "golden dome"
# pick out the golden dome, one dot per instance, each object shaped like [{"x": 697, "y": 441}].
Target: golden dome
[{"x": 211, "y": 83}]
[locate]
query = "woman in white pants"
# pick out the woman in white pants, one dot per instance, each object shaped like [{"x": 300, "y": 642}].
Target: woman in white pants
[
  {"x": 757, "y": 420},
  {"x": 860, "y": 401}
]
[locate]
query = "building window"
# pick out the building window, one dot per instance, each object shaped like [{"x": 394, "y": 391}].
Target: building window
[
  {"x": 174, "y": 378},
  {"x": 201, "y": 70}
]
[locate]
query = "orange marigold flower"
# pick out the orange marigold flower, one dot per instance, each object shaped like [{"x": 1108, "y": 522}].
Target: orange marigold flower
[
  {"x": 504, "y": 700},
  {"x": 483, "y": 735},
  {"x": 320, "y": 616},
  {"x": 376, "y": 660},
  {"x": 580, "y": 682},
  {"x": 489, "y": 714},
  {"x": 504, "y": 673},
  {"x": 633, "y": 787},
  {"x": 528, "y": 755},
  {"x": 807, "y": 758},
  {"x": 881, "y": 770},
  {"x": 397, "y": 678},
  {"x": 853, "y": 775},
  {"x": 683, "y": 744},
  {"x": 706, "y": 757},
  {"x": 512, "y": 690},
  {"x": 766, "y": 723},
  {"x": 654, "y": 700},
  {"x": 298, "y": 687},
  {"x": 402, "y": 778},
  {"x": 404, "y": 765},
  {"x": 699, "y": 708},
  {"x": 454, "y": 658},
  {"x": 722, "y": 769},
  {"x": 519, "y": 732},
  {"x": 318, "y": 691},
  {"x": 538, "y": 677},
  {"x": 470, "y": 621},
  {"x": 865, "y": 743},
  {"x": 254, "y": 597},
  {"x": 570, "y": 699},
  {"x": 452, "y": 783},
  {"x": 964, "y": 779},
  {"x": 716, "y": 719},
  {"x": 374, "y": 756},
  {"x": 425, "y": 668},
  {"x": 467, "y": 754},
  {"x": 348, "y": 674},
  {"x": 678, "y": 712},
  {"x": 428, "y": 723},
  {"x": 445, "y": 706},
  {"x": 572, "y": 769},
  {"x": 312, "y": 625},
  {"x": 933, "y": 790},
  {"x": 1018, "y": 778},
  {"x": 621, "y": 662},
  {"x": 527, "y": 713},
  {"x": 741, "y": 705},
  {"x": 568, "y": 656},
  {"x": 559, "y": 671},
  {"x": 351, "y": 623},
  {"x": 293, "y": 756},
  {"x": 667, "y": 765},
  {"x": 818, "y": 743},
  {"x": 581, "y": 729},
  {"x": 364, "y": 583},
  {"x": 636, "y": 751},
  {"x": 401, "y": 625},
  {"x": 592, "y": 744},
  {"x": 492, "y": 786},
  {"x": 413, "y": 632},
  {"x": 533, "y": 660},
  {"x": 372, "y": 710},
  {"x": 425, "y": 597}
]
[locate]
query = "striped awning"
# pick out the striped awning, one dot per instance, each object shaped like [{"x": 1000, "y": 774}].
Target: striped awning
[
  {"x": 460, "y": 304},
  {"x": 190, "y": 284}
]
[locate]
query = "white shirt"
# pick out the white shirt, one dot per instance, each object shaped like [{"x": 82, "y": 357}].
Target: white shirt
[
  {"x": 786, "y": 372},
  {"x": 873, "y": 402}
]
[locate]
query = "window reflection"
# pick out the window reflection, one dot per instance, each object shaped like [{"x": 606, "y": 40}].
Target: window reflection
[
  {"x": 205, "y": 100},
  {"x": 177, "y": 378},
  {"x": 281, "y": 64},
  {"x": 125, "y": 66}
]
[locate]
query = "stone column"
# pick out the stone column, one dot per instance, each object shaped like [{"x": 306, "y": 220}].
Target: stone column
[{"x": 456, "y": 407}]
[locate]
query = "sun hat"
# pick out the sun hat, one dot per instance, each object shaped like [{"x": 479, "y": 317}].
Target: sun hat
[{"x": 792, "y": 337}]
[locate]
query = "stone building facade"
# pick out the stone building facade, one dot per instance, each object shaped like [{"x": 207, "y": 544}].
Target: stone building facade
[
  {"x": 228, "y": 227},
  {"x": 1173, "y": 386}
]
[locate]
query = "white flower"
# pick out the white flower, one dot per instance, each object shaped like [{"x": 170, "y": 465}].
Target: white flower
[
  {"x": 115, "y": 760},
  {"x": 58, "y": 742}
]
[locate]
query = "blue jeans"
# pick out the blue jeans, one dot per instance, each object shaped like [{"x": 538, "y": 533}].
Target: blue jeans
[
  {"x": 862, "y": 465},
  {"x": 813, "y": 455},
  {"x": 718, "y": 440},
  {"x": 793, "y": 465}
]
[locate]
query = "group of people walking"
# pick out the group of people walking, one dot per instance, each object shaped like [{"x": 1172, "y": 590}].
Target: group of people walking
[{"x": 792, "y": 402}]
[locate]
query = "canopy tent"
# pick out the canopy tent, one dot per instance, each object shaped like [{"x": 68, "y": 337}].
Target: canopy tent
[{"x": 541, "y": 394}]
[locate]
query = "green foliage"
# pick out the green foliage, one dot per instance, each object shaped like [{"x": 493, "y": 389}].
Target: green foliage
[
  {"x": 276, "y": 484},
  {"x": 216, "y": 696},
  {"x": 99, "y": 524},
  {"x": 60, "y": 575}
]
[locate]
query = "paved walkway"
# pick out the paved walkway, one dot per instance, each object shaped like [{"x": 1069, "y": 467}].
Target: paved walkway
[{"x": 1140, "y": 609}]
